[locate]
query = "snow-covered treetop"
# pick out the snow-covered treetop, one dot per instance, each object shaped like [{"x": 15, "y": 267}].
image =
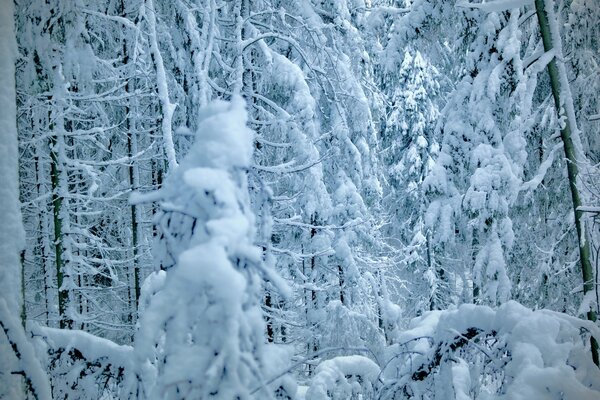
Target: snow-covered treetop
[{"x": 223, "y": 139}]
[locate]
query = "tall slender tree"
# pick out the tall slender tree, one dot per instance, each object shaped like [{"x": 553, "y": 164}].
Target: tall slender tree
[
  {"x": 571, "y": 142},
  {"x": 21, "y": 371}
]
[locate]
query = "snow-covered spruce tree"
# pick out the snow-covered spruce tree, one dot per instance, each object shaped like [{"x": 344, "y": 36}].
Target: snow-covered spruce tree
[
  {"x": 410, "y": 150},
  {"x": 415, "y": 72},
  {"x": 350, "y": 103},
  {"x": 201, "y": 331},
  {"x": 478, "y": 172},
  {"x": 345, "y": 282}
]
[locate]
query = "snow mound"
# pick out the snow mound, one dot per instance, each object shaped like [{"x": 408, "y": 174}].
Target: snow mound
[{"x": 346, "y": 377}]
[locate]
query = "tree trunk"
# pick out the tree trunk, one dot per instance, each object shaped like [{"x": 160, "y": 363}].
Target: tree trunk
[
  {"x": 167, "y": 108},
  {"x": 57, "y": 202},
  {"x": 13, "y": 339},
  {"x": 133, "y": 173},
  {"x": 564, "y": 107}
]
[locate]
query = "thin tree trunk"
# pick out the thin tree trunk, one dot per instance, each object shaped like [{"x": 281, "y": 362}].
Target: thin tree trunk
[
  {"x": 57, "y": 202},
  {"x": 12, "y": 235},
  {"x": 564, "y": 106},
  {"x": 42, "y": 232},
  {"x": 167, "y": 108},
  {"x": 133, "y": 177},
  {"x": 269, "y": 319},
  {"x": 60, "y": 187}
]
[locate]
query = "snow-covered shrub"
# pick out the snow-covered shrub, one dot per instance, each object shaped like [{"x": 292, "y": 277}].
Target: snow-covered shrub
[
  {"x": 83, "y": 366},
  {"x": 201, "y": 333},
  {"x": 478, "y": 352},
  {"x": 344, "y": 378}
]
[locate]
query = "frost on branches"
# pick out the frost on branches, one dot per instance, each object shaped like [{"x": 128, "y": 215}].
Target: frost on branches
[{"x": 201, "y": 334}]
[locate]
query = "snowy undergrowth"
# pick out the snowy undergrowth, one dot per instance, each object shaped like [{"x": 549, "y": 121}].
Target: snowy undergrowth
[
  {"x": 82, "y": 365},
  {"x": 345, "y": 377},
  {"x": 472, "y": 352},
  {"x": 478, "y": 352}
]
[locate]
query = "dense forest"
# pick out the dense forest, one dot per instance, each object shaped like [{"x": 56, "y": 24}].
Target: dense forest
[{"x": 299, "y": 199}]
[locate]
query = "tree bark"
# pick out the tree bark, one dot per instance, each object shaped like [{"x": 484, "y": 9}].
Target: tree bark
[{"x": 57, "y": 202}]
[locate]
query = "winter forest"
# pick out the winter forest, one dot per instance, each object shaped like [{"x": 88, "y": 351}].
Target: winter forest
[{"x": 299, "y": 199}]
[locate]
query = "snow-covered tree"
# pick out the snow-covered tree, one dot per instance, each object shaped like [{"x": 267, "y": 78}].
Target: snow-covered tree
[
  {"x": 477, "y": 174},
  {"x": 21, "y": 373},
  {"x": 411, "y": 150},
  {"x": 200, "y": 334}
]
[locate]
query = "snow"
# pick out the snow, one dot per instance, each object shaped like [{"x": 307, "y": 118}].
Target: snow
[
  {"x": 275, "y": 359},
  {"x": 496, "y": 5},
  {"x": 543, "y": 352},
  {"x": 590, "y": 209},
  {"x": 343, "y": 378},
  {"x": 12, "y": 236},
  {"x": 461, "y": 379},
  {"x": 15, "y": 344},
  {"x": 301, "y": 392},
  {"x": 151, "y": 285},
  {"x": 490, "y": 271},
  {"x": 92, "y": 347},
  {"x": 81, "y": 364},
  {"x": 223, "y": 139},
  {"x": 588, "y": 303}
]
